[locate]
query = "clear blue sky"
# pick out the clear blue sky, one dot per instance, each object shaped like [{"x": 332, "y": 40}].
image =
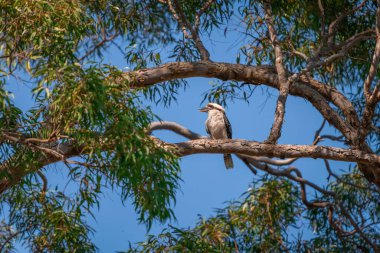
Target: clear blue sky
[{"x": 206, "y": 183}]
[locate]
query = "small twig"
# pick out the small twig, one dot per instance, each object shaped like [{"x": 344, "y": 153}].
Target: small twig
[
  {"x": 34, "y": 146},
  {"x": 287, "y": 173},
  {"x": 318, "y": 132},
  {"x": 322, "y": 10},
  {"x": 10, "y": 237},
  {"x": 248, "y": 164},
  {"x": 44, "y": 181},
  {"x": 332, "y": 137},
  {"x": 359, "y": 230},
  {"x": 375, "y": 60},
  {"x": 375, "y": 129},
  {"x": 84, "y": 164},
  {"x": 296, "y": 52},
  {"x": 341, "y": 49},
  {"x": 200, "y": 13},
  {"x": 236, "y": 246},
  {"x": 268, "y": 160},
  {"x": 98, "y": 45},
  {"x": 339, "y": 179},
  {"x": 333, "y": 26}
]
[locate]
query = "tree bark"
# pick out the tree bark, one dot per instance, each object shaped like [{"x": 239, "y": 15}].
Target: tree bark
[
  {"x": 318, "y": 94},
  {"x": 206, "y": 146}
]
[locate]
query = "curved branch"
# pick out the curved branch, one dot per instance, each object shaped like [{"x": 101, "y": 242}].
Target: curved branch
[
  {"x": 255, "y": 161},
  {"x": 175, "y": 127},
  {"x": 336, "y": 98},
  {"x": 298, "y": 178},
  {"x": 315, "y": 92},
  {"x": 281, "y": 162},
  {"x": 44, "y": 181}
]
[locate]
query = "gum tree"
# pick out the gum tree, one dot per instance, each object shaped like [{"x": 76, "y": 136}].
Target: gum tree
[{"x": 91, "y": 118}]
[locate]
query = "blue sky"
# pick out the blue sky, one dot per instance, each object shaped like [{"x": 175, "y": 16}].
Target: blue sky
[{"x": 206, "y": 185}]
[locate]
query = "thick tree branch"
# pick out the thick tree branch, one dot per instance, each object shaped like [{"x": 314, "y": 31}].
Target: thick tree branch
[
  {"x": 317, "y": 93},
  {"x": 207, "y": 146},
  {"x": 338, "y": 99},
  {"x": 253, "y": 148}
]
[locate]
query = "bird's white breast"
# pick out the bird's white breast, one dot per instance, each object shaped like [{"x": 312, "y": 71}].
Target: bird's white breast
[{"x": 216, "y": 125}]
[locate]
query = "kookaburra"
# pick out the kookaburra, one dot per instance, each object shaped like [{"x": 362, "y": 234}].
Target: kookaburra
[{"x": 218, "y": 127}]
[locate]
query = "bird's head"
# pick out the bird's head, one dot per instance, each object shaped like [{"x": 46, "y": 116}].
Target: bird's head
[{"x": 212, "y": 106}]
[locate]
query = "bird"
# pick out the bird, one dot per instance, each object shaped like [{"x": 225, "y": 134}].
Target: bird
[{"x": 218, "y": 127}]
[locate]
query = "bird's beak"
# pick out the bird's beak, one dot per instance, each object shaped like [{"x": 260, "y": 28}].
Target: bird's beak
[{"x": 204, "y": 109}]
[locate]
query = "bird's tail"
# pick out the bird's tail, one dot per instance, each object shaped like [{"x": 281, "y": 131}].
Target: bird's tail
[{"x": 228, "y": 161}]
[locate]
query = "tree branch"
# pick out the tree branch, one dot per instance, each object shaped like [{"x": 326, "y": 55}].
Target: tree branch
[
  {"x": 315, "y": 92},
  {"x": 98, "y": 45},
  {"x": 298, "y": 178},
  {"x": 175, "y": 127},
  {"x": 371, "y": 98},
  {"x": 341, "y": 49},
  {"x": 333, "y": 26},
  {"x": 253, "y": 148},
  {"x": 176, "y": 9},
  {"x": 241, "y": 148},
  {"x": 357, "y": 228},
  {"x": 200, "y": 13},
  {"x": 275, "y": 132}
]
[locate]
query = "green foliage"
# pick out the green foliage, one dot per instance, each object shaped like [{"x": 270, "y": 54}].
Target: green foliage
[
  {"x": 50, "y": 41},
  {"x": 355, "y": 197},
  {"x": 109, "y": 123},
  {"x": 271, "y": 218},
  {"x": 48, "y": 221},
  {"x": 258, "y": 223},
  {"x": 221, "y": 92},
  {"x": 298, "y": 26},
  {"x": 89, "y": 107},
  {"x": 40, "y": 33}
]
